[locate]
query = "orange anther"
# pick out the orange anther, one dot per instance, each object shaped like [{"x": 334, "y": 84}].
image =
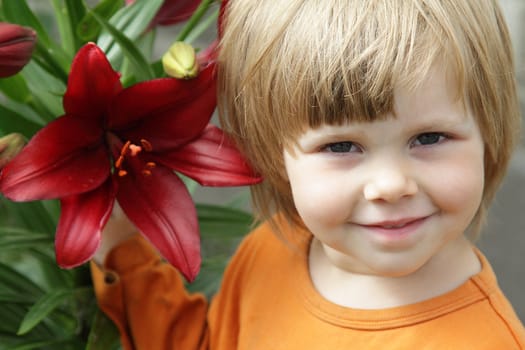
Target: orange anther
[
  {"x": 125, "y": 148},
  {"x": 118, "y": 163},
  {"x": 147, "y": 145},
  {"x": 146, "y": 172},
  {"x": 134, "y": 149},
  {"x": 122, "y": 173},
  {"x": 151, "y": 165}
]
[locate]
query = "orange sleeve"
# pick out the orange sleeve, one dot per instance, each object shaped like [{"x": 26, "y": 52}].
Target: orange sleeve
[{"x": 146, "y": 299}]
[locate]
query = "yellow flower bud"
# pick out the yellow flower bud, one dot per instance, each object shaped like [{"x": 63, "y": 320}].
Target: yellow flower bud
[
  {"x": 181, "y": 61},
  {"x": 10, "y": 145}
]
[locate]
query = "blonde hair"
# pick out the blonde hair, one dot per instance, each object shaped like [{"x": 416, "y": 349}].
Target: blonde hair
[{"x": 285, "y": 66}]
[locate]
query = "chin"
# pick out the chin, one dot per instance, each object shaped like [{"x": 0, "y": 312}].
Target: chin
[{"x": 396, "y": 267}]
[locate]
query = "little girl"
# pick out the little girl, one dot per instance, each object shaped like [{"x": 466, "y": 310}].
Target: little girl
[{"x": 383, "y": 129}]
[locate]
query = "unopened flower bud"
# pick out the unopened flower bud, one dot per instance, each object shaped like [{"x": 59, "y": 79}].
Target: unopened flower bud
[
  {"x": 180, "y": 61},
  {"x": 16, "y": 47},
  {"x": 10, "y": 145}
]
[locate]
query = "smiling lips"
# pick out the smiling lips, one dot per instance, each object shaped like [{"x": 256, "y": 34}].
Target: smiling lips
[{"x": 400, "y": 227}]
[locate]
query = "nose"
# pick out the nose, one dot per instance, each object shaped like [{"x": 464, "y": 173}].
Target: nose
[{"x": 389, "y": 183}]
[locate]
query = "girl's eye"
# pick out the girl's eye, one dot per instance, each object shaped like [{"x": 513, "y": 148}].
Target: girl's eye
[
  {"x": 429, "y": 138},
  {"x": 341, "y": 147}
]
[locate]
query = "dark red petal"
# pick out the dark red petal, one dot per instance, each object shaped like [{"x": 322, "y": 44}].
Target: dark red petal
[
  {"x": 92, "y": 84},
  {"x": 175, "y": 11},
  {"x": 208, "y": 55},
  {"x": 167, "y": 112},
  {"x": 162, "y": 209},
  {"x": 16, "y": 47},
  {"x": 211, "y": 160},
  {"x": 82, "y": 218},
  {"x": 66, "y": 157}
]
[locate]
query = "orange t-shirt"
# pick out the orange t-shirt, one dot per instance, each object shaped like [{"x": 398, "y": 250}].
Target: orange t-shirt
[{"x": 267, "y": 301}]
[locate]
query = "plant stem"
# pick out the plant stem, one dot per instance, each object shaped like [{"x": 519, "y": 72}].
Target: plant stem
[
  {"x": 202, "y": 26},
  {"x": 194, "y": 19}
]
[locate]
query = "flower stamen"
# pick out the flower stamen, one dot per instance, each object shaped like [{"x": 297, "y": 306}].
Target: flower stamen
[
  {"x": 134, "y": 149},
  {"x": 125, "y": 148},
  {"x": 146, "y": 145},
  {"x": 119, "y": 161}
]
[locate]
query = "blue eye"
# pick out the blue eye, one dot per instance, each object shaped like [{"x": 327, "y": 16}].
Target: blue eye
[
  {"x": 341, "y": 147},
  {"x": 429, "y": 138}
]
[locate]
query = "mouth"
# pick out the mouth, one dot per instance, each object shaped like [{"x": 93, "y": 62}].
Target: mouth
[
  {"x": 396, "y": 224},
  {"x": 395, "y": 230}
]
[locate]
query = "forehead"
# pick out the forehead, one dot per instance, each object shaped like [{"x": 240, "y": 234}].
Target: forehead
[
  {"x": 439, "y": 93},
  {"x": 435, "y": 101}
]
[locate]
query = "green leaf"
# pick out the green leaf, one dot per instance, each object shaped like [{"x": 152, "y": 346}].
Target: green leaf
[
  {"x": 47, "y": 91},
  {"x": 42, "y": 308},
  {"x": 104, "y": 334},
  {"x": 194, "y": 19},
  {"x": 17, "y": 11},
  {"x": 15, "y": 87},
  {"x": 34, "y": 216},
  {"x": 12, "y": 314},
  {"x": 209, "y": 279},
  {"x": 11, "y": 121},
  {"x": 140, "y": 65},
  {"x": 201, "y": 27},
  {"x": 14, "y": 238},
  {"x": 67, "y": 15},
  {"x": 132, "y": 21},
  {"x": 17, "y": 298},
  {"x": 218, "y": 222},
  {"x": 88, "y": 28},
  {"x": 63, "y": 344},
  {"x": 47, "y": 53},
  {"x": 12, "y": 280}
]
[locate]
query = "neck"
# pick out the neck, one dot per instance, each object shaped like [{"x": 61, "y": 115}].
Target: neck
[{"x": 447, "y": 270}]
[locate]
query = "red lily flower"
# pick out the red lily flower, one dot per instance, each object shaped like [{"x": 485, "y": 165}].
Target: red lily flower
[
  {"x": 173, "y": 11},
  {"x": 115, "y": 143},
  {"x": 16, "y": 47}
]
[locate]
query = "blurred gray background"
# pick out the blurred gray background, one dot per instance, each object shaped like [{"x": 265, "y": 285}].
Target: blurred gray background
[{"x": 503, "y": 240}]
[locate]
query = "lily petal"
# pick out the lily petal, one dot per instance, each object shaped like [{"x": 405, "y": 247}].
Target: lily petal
[
  {"x": 166, "y": 112},
  {"x": 162, "y": 209},
  {"x": 175, "y": 11},
  {"x": 92, "y": 84},
  {"x": 81, "y": 221},
  {"x": 211, "y": 160},
  {"x": 66, "y": 157}
]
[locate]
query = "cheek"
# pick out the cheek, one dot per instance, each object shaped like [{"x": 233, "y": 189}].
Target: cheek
[
  {"x": 320, "y": 197},
  {"x": 461, "y": 186}
]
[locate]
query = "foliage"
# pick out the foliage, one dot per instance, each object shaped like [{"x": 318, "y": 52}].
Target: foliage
[{"x": 43, "y": 306}]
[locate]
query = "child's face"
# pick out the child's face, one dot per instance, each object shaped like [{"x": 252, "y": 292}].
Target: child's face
[{"x": 385, "y": 197}]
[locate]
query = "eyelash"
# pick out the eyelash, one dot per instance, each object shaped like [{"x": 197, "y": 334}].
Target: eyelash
[
  {"x": 436, "y": 138},
  {"x": 341, "y": 147},
  {"x": 352, "y": 147}
]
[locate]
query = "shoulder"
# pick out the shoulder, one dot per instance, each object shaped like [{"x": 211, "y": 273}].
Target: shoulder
[
  {"x": 263, "y": 256},
  {"x": 259, "y": 249},
  {"x": 494, "y": 313},
  {"x": 258, "y": 271}
]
